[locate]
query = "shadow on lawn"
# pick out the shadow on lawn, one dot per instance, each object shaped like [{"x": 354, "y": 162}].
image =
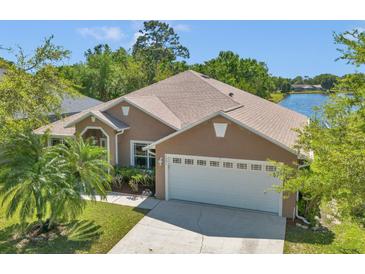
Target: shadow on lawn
[
  {"x": 296, "y": 234},
  {"x": 73, "y": 237}
]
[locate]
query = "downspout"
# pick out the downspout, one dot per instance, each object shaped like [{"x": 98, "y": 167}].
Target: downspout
[
  {"x": 116, "y": 147},
  {"x": 297, "y": 198},
  {"x": 296, "y": 204}
]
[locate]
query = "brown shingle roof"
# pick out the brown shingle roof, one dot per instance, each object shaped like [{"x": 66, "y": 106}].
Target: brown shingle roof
[{"x": 190, "y": 96}]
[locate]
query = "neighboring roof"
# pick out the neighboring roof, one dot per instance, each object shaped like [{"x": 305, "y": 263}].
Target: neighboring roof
[
  {"x": 58, "y": 128},
  {"x": 188, "y": 97},
  {"x": 74, "y": 104},
  {"x": 306, "y": 86}
]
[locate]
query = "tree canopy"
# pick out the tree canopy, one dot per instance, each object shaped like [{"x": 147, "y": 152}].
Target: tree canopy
[
  {"x": 158, "y": 45},
  {"x": 247, "y": 74},
  {"x": 106, "y": 74},
  {"x": 31, "y": 88}
]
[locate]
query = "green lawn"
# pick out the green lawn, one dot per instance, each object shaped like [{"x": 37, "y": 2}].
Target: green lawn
[
  {"x": 276, "y": 97},
  {"x": 97, "y": 230},
  {"x": 346, "y": 237}
]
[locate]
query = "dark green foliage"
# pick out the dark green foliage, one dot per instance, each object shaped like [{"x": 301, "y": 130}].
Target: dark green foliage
[
  {"x": 247, "y": 74},
  {"x": 157, "y": 45},
  {"x": 135, "y": 178},
  {"x": 47, "y": 182}
]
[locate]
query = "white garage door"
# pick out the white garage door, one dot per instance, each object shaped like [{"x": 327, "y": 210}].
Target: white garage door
[{"x": 229, "y": 182}]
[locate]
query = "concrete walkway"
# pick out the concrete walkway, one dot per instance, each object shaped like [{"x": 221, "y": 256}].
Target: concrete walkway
[
  {"x": 132, "y": 200},
  {"x": 184, "y": 227}
]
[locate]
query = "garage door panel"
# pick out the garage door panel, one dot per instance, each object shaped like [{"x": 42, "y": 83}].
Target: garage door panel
[{"x": 223, "y": 186}]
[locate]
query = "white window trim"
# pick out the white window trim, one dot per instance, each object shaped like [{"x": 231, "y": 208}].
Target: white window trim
[
  {"x": 104, "y": 132},
  {"x": 131, "y": 152}
]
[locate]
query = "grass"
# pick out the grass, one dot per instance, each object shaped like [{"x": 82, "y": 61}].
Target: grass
[
  {"x": 345, "y": 238},
  {"x": 97, "y": 230},
  {"x": 276, "y": 97}
]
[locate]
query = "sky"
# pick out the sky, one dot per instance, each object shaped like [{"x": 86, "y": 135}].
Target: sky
[{"x": 289, "y": 48}]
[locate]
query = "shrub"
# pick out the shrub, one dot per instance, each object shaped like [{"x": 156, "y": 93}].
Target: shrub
[{"x": 135, "y": 178}]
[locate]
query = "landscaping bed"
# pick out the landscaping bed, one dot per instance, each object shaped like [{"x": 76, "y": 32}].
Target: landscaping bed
[{"x": 96, "y": 230}]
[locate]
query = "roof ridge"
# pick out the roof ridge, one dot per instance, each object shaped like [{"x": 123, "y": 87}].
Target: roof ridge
[
  {"x": 196, "y": 74},
  {"x": 232, "y": 108}
]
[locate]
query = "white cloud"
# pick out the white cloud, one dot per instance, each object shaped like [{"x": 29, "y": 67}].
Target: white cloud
[
  {"x": 181, "y": 27},
  {"x": 102, "y": 33}
]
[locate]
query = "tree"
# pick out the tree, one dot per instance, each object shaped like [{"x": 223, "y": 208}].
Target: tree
[
  {"x": 297, "y": 80},
  {"x": 327, "y": 81},
  {"x": 157, "y": 44},
  {"x": 31, "y": 88},
  {"x": 106, "y": 74},
  {"x": 47, "y": 182},
  {"x": 246, "y": 74},
  {"x": 336, "y": 139},
  {"x": 282, "y": 84}
]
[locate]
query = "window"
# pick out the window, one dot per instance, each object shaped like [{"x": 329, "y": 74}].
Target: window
[
  {"x": 214, "y": 163},
  {"x": 55, "y": 141},
  {"x": 241, "y": 166},
  {"x": 201, "y": 162},
  {"x": 227, "y": 164},
  {"x": 256, "y": 167},
  {"x": 189, "y": 161},
  {"x": 270, "y": 168},
  {"x": 103, "y": 142},
  {"x": 176, "y": 160},
  {"x": 141, "y": 158}
]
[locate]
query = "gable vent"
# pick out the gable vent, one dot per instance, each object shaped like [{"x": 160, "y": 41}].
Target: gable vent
[
  {"x": 220, "y": 129},
  {"x": 125, "y": 110}
]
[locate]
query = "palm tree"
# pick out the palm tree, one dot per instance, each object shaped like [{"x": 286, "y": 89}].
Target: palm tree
[
  {"x": 24, "y": 174},
  {"x": 87, "y": 172},
  {"x": 48, "y": 182}
]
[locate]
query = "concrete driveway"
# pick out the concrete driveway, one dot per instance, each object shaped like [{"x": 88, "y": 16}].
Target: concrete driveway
[{"x": 184, "y": 227}]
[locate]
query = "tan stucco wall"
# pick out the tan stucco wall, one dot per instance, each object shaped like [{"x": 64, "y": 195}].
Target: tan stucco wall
[
  {"x": 238, "y": 143},
  {"x": 142, "y": 128},
  {"x": 111, "y": 133}
]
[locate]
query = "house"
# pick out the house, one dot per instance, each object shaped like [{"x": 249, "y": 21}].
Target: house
[
  {"x": 304, "y": 87},
  {"x": 74, "y": 104},
  {"x": 209, "y": 142}
]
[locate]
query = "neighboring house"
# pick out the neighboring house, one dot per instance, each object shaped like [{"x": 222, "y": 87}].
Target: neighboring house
[
  {"x": 209, "y": 142},
  {"x": 303, "y": 87},
  {"x": 74, "y": 104}
]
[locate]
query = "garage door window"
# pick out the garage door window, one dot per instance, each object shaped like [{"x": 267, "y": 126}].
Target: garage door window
[{"x": 141, "y": 158}]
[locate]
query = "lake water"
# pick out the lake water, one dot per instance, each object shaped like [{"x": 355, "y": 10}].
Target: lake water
[{"x": 304, "y": 103}]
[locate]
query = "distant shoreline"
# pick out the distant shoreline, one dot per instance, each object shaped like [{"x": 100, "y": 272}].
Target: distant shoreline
[{"x": 309, "y": 92}]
